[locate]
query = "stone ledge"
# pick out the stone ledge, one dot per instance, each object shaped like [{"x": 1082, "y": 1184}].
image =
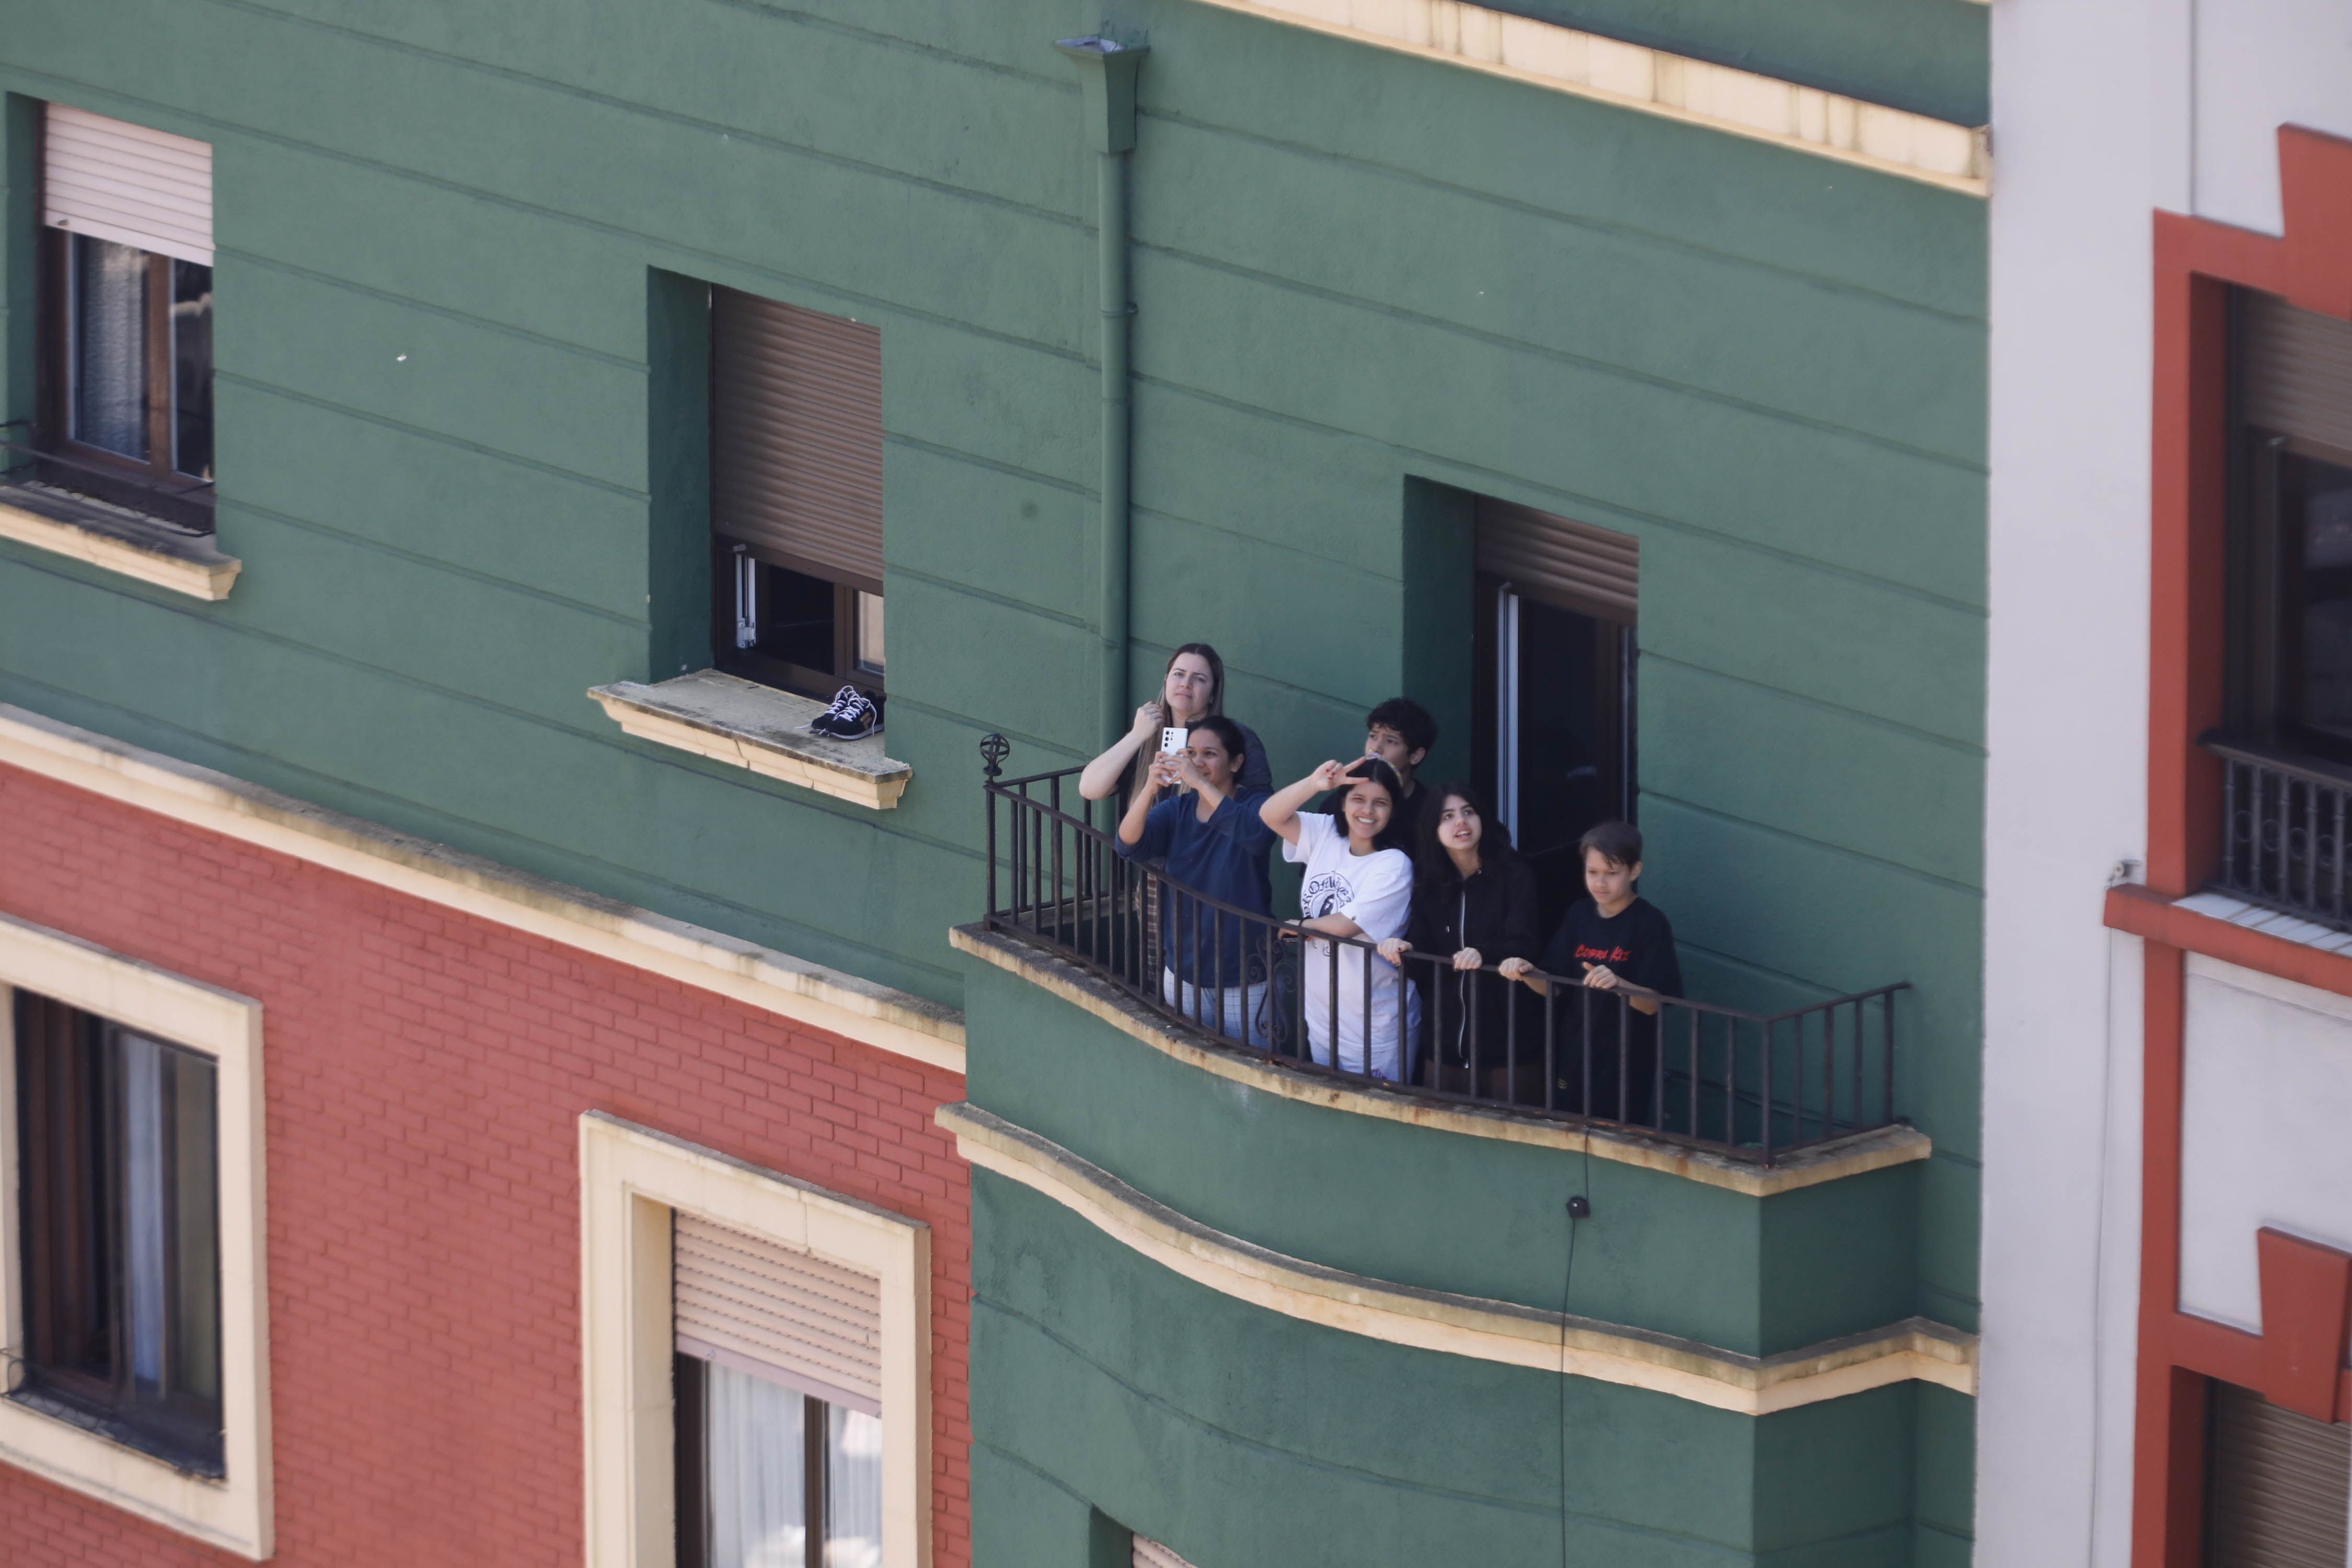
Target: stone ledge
[
  {"x": 1651, "y": 81},
  {"x": 730, "y": 720},
  {"x": 1916, "y": 1349},
  {"x": 1853, "y": 1156},
  {"x": 115, "y": 540}
]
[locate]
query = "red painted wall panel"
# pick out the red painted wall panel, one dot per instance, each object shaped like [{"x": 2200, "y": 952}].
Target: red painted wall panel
[{"x": 424, "y": 1073}]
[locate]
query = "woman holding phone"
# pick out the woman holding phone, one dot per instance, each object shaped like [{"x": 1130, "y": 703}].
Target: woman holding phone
[
  {"x": 1192, "y": 688},
  {"x": 1358, "y": 884}
]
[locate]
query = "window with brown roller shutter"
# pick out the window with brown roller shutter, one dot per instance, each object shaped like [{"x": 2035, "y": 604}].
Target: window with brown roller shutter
[
  {"x": 2277, "y": 1484},
  {"x": 795, "y": 494}
]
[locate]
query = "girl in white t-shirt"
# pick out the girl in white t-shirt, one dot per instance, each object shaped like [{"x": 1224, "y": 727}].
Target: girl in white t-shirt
[{"x": 1357, "y": 885}]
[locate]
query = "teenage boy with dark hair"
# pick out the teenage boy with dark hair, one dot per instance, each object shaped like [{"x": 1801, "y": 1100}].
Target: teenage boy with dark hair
[
  {"x": 1215, "y": 845},
  {"x": 1613, "y": 939},
  {"x": 1399, "y": 732}
]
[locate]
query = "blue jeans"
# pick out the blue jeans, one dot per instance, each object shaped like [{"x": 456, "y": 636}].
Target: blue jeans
[{"x": 1237, "y": 1012}]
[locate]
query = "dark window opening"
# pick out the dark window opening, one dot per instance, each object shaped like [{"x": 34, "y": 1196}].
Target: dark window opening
[
  {"x": 789, "y": 628},
  {"x": 121, "y": 1233},
  {"x": 1552, "y": 710},
  {"x": 2290, "y": 601}
]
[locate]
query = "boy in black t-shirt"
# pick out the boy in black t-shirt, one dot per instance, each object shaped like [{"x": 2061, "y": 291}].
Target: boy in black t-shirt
[{"x": 1614, "y": 937}]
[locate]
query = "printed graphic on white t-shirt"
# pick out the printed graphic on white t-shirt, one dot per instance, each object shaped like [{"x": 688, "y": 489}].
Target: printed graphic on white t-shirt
[{"x": 1375, "y": 891}]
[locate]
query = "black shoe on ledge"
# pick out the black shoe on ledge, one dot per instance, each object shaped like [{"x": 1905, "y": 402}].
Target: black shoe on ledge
[{"x": 853, "y": 717}]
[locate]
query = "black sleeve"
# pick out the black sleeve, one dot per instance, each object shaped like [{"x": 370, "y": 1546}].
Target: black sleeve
[
  {"x": 1257, "y": 769},
  {"x": 1661, "y": 968},
  {"x": 1557, "y": 958},
  {"x": 1421, "y": 925},
  {"x": 1521, "y": 937}
]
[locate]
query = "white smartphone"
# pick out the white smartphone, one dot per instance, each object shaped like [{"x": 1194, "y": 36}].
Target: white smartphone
[{"x": 1171, "y": 740}]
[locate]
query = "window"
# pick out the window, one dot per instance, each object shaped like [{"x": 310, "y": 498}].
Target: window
[
  {"x": 2275, "y": 1484},
  {"x": 120, "y": 1259},
  {"x": 779, "y": 1422},
  {"x": 2291, "y": 539},
  {"x": 133, "y": 1299},
  {"x": 757, "y": 1364},
  {"x": 126, "y": 285},
  {"x": 1553, "y": 701},
  {"x": 796, "y": 495}
]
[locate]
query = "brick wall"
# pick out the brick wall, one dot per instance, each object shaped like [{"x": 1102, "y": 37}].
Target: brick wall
[{"x": 424, "y": 1073}]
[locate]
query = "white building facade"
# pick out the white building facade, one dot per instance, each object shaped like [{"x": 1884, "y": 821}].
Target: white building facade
[{"x": 2168, "y": 1249}]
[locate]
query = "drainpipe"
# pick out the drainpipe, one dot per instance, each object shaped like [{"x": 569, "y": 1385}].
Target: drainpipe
[{"x": 1106, "y": 73}]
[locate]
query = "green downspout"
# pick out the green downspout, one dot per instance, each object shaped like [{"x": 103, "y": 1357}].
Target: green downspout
[{"x": 1107, "y": 70}]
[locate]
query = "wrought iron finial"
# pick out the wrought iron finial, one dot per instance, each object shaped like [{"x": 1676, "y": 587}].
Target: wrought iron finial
[{"x": 993, "y": 750}]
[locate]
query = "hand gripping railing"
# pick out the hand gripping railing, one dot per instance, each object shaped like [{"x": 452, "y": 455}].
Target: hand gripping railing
[{"x": 1754, "y": 1084}]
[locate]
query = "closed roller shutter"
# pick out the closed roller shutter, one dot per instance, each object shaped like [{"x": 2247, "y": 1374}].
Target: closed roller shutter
[
  {"x": 796, "y": 435},
  {"x": 1571, "y": 564},
  {"x": 1151, "y": 1554},
  {"x": 745, "y": 1300},
  {"x": 2279, "y": 1485},
  {"x": 2298, "y": 371},
  {"x": 127, "y": 184}
]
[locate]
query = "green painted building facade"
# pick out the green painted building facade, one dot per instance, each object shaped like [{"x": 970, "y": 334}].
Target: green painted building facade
[{"x": 461, "y": 253}]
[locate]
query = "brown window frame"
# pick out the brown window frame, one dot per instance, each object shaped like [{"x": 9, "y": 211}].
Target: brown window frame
[
  {"x": 69, "y": 1119},
  {"x": 767, "y": 669},
  {"x": 153, "y": 487}
]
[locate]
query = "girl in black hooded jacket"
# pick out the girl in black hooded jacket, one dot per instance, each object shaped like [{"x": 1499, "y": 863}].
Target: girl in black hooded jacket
[{"x": 1475, "y": 900}]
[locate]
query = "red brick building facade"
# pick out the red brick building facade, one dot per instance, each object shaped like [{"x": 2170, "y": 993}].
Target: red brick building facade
[{"x": 426, "y": 1072}]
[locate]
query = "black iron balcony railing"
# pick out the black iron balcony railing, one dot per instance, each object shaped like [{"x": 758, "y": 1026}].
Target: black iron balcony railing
[
  {"x": 1753, "y": 1084},
  {"x": 2283, "y": 830}
]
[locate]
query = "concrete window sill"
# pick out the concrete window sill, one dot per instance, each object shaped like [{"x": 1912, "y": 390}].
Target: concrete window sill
[
  {"x": 757, "y": 727},
  {"x": 115, "y": 540}
]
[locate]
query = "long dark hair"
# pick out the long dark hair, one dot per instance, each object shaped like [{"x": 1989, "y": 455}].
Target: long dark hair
[
  {"x": 1398, "y": 834},
  {"x": 1432, "y": 867}
]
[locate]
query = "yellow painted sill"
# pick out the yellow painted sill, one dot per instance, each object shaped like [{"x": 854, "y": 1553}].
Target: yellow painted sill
[
  {"x": 115, "y": 540},
  {"x": 730, "y": 720}
]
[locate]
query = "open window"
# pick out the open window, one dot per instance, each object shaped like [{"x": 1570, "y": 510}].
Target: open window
[
  {"x": 1553, "y": 711},
  {"x": 796, "y": 495},
  {"x": 2291, "y": 539},
  {"x": 125, "y": 291}
]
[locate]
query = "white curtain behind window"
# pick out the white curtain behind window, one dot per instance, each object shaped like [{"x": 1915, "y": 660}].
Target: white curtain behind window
[
  {"x": 142, "y": 1206},
  {"x": 753, "y": 1432},
  {"x": 853, "y": 1536}
]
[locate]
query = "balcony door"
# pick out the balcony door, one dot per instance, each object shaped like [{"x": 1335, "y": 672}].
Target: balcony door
[{"x": 1554, "y": 704}]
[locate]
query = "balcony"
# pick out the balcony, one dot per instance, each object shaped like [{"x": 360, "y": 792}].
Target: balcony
[
  {"x": 1745, "y": 1087},
  {"x": 2282, "y": 824}
]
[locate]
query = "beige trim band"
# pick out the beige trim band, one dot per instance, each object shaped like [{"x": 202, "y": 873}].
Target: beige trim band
[
  {"x": 1806, "y": 1168},
  {"x": 1914, "y": 1349},
  {"x": 166, "y": 558},
  {"x": 1651, "y": 81},
  {"x": 760, "y": 977}
]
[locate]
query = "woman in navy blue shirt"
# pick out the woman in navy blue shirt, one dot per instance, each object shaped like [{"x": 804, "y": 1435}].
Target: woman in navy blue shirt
[{"x": 1213, "y": 845}]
